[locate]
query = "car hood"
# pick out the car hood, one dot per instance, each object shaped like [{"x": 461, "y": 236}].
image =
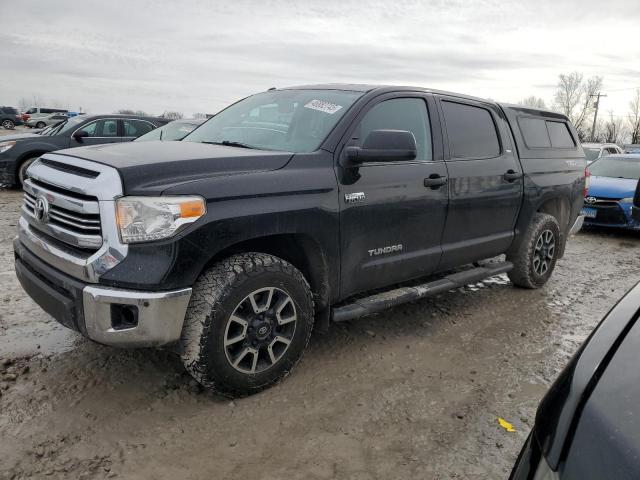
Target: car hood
[
  {"x": 18, "y": 136},
  {"x": 610, "y": 187},
  {"x": 603, "y": 379},
  {"x": 606, "y": 443},
  {"x": 151, "y": 167}
]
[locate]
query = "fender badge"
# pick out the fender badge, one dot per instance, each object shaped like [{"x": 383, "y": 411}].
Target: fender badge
[{"x": 354, "y": 197}]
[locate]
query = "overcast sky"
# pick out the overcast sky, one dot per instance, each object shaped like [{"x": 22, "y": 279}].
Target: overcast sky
[{"x": 198, "y": 56}]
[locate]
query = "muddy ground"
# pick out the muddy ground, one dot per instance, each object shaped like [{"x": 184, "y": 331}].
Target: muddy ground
[{"x": 411, "y": 393}]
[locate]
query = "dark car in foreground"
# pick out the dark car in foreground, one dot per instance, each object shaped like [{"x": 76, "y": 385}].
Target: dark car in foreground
[
  {"x": 613, "y": 183},
  {"x": 9, "y": 118},
  {"x": 588, "y": 425},
  {"x": 17, "y": 154},
  {"x": 292, "y": 209},
  {"x": 172, "y": 131}
]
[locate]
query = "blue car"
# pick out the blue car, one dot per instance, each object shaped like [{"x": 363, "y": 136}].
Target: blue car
[{"x": 612, "y": 188}]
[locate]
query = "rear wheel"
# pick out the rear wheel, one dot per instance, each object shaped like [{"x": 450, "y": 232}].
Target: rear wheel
[
  {"x": 8, "y": 124},
  {"x": 248, "y": 323},
  {"x": 536, "y": 256}
]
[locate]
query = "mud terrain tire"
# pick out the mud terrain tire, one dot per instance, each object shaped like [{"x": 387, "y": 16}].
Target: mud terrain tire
[
  {"x": 536, "y": 256},
  {"x": 234, "y": 311}
]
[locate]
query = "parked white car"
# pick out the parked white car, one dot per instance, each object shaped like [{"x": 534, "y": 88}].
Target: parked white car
[
  {"x": 594, "y": 151},
  {"x": 44, "y": 121}
]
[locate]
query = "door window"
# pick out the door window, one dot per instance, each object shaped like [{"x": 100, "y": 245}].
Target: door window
[
  {"x": 102, "y": 128},
  {"x": 135, "y": 128},
  {"x": 471, "y": 131},
  {"x": 408, "y": 114}
]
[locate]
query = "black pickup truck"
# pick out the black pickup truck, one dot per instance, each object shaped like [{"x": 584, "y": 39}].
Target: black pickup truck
[{"x": 291, "y": 209}]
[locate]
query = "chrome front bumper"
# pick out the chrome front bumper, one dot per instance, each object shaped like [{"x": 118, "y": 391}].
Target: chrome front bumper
[
  {"x": 577, "y": 225},
  {"x": 159, "y": 316},
  {"x": 156, "y": 318}
]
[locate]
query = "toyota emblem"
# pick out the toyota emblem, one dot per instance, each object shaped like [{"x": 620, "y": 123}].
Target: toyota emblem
[
  {"x": 590, "y": 199},
  {"x": 41, "y": 209}
]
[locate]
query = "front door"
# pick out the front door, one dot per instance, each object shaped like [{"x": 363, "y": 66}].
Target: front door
[
  {"x": 485, "y": 182},
  {"x": 105, "y": 130},
  {"x": 390, "y": 222}
]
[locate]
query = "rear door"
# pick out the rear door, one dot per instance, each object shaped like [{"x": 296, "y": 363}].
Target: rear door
[
  {"x": 390, "y": 223},
  {"x": 133, "y": 128},
  {"x": 485, "y": 181}
]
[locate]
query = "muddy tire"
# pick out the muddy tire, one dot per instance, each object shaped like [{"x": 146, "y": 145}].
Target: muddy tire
[
  {"x": 535, "y": 258},
  {"x": 248, "y": 323}
]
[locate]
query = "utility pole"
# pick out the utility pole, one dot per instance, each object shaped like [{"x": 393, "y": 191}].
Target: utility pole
[{"x": 595, "y": 115}]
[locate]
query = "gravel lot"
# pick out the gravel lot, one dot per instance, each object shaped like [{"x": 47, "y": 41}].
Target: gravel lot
[{"x": 414, "y": 392}]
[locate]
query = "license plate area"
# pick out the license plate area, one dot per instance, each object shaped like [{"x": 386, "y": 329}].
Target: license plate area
[{"x": 589, "y": 212}]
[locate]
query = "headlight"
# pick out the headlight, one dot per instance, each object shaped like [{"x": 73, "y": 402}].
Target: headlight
[
  {"x": 4, "y": 146},
  {"x": 142, "y": 219},
  {"x": 627, "y": 200},
  {"x": 544, "y": 472}
]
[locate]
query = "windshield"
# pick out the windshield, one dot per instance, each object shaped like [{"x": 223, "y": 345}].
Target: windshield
[
  {"x": 287, "y": 120},
  {"x": 176, "y": 130},
  {"x": 66, "y": 126},
  {"x": 616, "y": 167},
  {"x": 591, "y": 153}
]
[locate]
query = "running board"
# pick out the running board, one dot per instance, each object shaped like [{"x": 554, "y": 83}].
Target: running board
[{"x": 382, "y": 301}]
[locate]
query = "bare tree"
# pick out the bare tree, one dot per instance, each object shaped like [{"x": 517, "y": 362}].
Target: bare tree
[
  {"x": 27, "y": 102},
  {"x": 23, "y": 104},
  {"x": 200, "y": 115},
  {"x": 128, "y": 111},
  {"x": 173, "y": 115},
  {"x": 573, "y": 98},
  {"x": 533, "y": 101},
  {"x": 614, "y": 130},
  {"x": 634, "y": 118}
]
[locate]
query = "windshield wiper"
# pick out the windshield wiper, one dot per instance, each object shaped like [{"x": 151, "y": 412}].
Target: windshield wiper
[{"x": 229, "y": 143}]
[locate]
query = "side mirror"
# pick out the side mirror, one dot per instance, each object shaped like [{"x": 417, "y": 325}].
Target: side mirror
[
  {"x": 382, "y": 146},
  {"x": 80, "y": 134}
]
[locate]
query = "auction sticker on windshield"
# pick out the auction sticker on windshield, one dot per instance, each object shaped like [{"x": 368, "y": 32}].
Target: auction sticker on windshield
[{"x": 322, "y": 106}]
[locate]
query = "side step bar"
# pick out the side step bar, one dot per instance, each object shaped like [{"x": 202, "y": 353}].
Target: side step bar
[{"x": 382, "y": 301}]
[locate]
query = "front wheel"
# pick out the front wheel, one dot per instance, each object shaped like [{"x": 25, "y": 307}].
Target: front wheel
[
  {"x": 41, "y": 125},
  {"x": 8, "y": 124},
  {"x": 536, "y": 256},
  {"x": 248, "y": 323}
]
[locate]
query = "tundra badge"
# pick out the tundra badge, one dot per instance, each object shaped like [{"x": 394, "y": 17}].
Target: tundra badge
[{"x": 383, "y": 250}]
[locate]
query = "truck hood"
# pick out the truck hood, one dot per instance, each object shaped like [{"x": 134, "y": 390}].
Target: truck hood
[
  {"x": 149, "y": 168},
  {"x": 610, "y": 187}
]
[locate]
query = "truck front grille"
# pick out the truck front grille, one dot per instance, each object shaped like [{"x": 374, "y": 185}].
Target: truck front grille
[{"x": 70, "y": 217}]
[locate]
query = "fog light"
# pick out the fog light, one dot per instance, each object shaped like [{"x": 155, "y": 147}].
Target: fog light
[{"x": 124, "y": 317}]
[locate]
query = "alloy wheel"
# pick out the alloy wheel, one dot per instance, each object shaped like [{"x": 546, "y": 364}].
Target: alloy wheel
[
  {"x": 544, "y": 252},
  {"x": 260, "y": 330}
]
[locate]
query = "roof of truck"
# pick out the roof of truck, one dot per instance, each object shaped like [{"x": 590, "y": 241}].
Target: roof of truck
[{"x": 364, "y": 88}]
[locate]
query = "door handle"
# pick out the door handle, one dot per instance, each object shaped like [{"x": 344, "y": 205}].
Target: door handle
[
  {"x": 435, "y": 181},
  {"x": 512, "y": 175}
]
